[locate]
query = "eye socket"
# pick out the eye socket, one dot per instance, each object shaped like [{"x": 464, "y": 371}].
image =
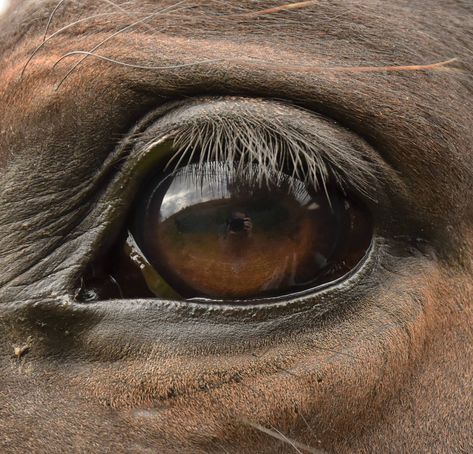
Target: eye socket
[
  {"x": 215, "y": 231},
  {"x": 258, "y": 204}
]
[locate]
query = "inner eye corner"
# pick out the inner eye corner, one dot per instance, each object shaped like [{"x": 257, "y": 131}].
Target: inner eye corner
[{"x": 218, "y": 231}]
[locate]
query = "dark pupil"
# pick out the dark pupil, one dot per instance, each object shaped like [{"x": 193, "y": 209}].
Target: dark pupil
[
  {"x": 239, "y": 222},
  {"x": 217, "y": 233}
]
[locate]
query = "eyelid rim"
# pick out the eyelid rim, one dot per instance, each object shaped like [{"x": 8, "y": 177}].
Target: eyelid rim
[
  {"x": 136, "y": 149},
  {"x": 346, "y": 281},
  {"x": 319, "y": 143},
  {"x": 310, "y": 299}
]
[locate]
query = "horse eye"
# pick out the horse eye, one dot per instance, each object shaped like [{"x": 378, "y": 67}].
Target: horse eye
[{"x": 214, "y": 231}]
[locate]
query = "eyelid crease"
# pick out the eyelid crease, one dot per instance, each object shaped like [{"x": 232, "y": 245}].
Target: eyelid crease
[{"x": 272, "y": 135}]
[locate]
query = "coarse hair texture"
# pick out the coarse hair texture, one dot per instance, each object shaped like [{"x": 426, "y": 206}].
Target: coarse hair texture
[{"x": 423, "y": 48}]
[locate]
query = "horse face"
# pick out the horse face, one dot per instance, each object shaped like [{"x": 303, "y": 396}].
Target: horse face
[{"x": 378, "y": 359}]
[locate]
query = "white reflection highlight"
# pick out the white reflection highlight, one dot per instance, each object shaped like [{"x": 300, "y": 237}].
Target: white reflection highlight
[
  {"x": 190, "y": 188},
  {"x": 197, "y": 184}
]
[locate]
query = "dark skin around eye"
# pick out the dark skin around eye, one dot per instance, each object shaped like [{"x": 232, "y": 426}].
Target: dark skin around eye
[{"x": 380, "y": 362}]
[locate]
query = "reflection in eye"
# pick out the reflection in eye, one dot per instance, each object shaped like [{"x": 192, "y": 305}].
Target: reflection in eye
[{"x": 212, "y": 230}]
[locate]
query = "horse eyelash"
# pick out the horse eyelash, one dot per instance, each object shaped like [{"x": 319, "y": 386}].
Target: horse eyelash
[{"x": 268, "y": 153}]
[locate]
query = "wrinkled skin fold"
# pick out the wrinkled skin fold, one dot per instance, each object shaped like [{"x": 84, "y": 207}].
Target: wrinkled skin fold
[{"x": 380, "y": 362}]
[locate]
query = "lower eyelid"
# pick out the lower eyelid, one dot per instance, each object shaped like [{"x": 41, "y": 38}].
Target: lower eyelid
[{"x": 332, "y": 297}]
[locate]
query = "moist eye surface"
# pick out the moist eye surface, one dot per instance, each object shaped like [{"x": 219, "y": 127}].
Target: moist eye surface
[{"x": 216, "y": 231}]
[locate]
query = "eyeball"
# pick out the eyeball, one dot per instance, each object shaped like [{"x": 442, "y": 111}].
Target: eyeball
[{"x": 214, "y": 231}]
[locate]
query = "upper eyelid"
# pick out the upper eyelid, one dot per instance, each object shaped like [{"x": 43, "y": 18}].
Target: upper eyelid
[{"x": 266, "y": 131}]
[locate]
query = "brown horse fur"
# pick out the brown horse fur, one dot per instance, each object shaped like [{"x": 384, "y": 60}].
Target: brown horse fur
[{"x": 382, "y": 362}]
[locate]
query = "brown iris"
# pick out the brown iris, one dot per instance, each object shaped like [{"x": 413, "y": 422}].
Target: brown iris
[{"x": 218, "y": 232}]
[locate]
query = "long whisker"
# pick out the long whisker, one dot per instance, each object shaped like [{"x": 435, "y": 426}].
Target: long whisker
[
  {"x": 130, "y": 15},
  {"x": 358, "y": 69},
  {"x": 50, "y": 19},
  {"x": 46, "y": 39},
  {"x": 132, "y": 65},
  {"x": 311, "y": 430},
  {"x": 298, "y": 446},
  {"x": 56, "y": 33},
  {"x": 122, "y": 30},
  {"x": 287, "y": 7},
  {"x": 262, "y": 63}
]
